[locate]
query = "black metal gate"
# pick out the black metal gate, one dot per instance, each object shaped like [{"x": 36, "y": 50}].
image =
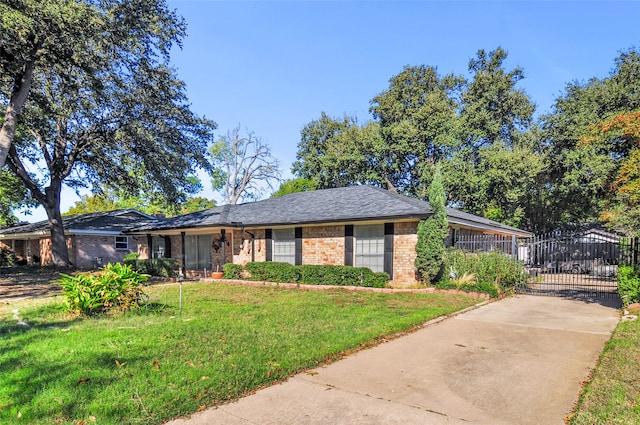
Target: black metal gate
[{"x": 575, "y": 264}]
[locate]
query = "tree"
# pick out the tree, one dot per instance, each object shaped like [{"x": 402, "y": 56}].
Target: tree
[
  {"x": 103, "y": 105},
  {"x": 338, "y": 153},
  {"x": 495, "y": 170},
  {"x": 619, "y": 137},
  {"x": 417, "y": 116},
  {"x": 32, "y": 34},
  {"x": 578, "y": 175},
  {"x": 243, "y": 166},
  {"x": 13, "y": 195},
  {"x": 294, "y": 186},
  {"x": 431, "y": 234},
  {"x": 146, "y": 201}
]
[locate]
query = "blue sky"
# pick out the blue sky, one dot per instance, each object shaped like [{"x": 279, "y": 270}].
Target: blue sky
[{"x": 273, "y": 67}]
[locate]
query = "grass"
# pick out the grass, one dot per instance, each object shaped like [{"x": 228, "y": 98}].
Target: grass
[
  {"x": 153, "y": 365},
  {"x": 613, "y": 395}
]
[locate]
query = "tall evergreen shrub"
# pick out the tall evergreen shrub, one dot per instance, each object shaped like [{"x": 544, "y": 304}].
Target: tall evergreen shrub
[{"x": 432, "y": 233}]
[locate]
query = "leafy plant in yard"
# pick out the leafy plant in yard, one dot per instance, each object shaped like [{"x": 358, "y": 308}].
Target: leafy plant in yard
[
  {"x": 629, "y": 284},
  {"x": 496, "y": 273},
  {"x": 115, "y": 288}
]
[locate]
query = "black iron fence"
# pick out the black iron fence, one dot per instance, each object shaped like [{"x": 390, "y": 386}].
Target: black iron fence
[{"x": 573, "y": 264}]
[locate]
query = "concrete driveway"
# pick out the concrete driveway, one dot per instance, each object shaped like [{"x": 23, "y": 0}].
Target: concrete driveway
[{"x": 521, "y": 360}]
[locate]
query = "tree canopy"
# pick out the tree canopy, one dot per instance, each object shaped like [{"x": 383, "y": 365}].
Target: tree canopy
[
  {"x": 290, "y": 186},
  {"x": 619, "y": 136},
  {"x": 146, "y": 201},
  {"x": 497, "y": 159},
  {"x": 101, "y": 103}
]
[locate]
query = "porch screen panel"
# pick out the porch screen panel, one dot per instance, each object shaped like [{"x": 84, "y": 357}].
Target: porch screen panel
[
  {"x": 198, "y": 252},
  {"x": 369, "y": 247},
  {"x": 284, "y": 246}
]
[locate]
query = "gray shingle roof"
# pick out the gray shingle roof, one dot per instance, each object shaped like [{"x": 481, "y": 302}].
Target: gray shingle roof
[
  {"x": 346, "y": 204},
  {"x": 117, "y": 221}
]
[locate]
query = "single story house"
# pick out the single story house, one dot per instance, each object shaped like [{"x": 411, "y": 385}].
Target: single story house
[
  {"x": 361, "y": 226},
  {"x": 93, "y": 239}
]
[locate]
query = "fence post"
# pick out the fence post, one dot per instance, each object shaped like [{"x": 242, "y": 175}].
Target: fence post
[{"x": 634, "y": 247}]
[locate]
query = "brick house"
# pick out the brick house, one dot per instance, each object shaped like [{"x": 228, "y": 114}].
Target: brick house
[
  {"x": 92, "y": 239},
  {"x": 361, "y": 226}
]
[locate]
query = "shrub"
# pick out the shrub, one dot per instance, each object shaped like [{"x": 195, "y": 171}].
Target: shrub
[
  {"x": 132, "y": 256},
  {"x": 232, "y": 271},
  {"x": 629, "y": 284},
  {"x": 431, "y": 234},
  {"x": 496, "y": 272},
  {"x": 273, "y": 272},
  {"x": 160, "y": 267},
  {"x": 115, "y": 288},
  {"x": 313, "y": 274},
  {"x": 7, "y": 258}
]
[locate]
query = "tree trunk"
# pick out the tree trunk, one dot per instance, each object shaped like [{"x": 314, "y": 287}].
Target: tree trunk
[
  {"x": 59, "y": 251},
  {"x": 18, "y": 98}
]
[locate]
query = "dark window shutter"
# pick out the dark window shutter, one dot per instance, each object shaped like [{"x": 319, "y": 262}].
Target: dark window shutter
[
  {"x": 348, "y": 245},
  {"x": 298, "y": 247},
  {"x": 167, "y": 246},
  {"x": 388, "y": 249},
  {"x": 149, "y": 246},
  {"x": 268, "y": 238}
]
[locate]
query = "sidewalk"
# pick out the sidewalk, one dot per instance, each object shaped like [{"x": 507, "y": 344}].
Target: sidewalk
[{"x": 517, "y": 361}]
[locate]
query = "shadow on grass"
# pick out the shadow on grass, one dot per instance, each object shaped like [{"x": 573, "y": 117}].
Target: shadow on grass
[{"x": 59, "y": 370}]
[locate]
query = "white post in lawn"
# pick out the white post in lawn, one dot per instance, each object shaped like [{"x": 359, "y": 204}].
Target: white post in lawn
[{"x": 181, "y": 298}]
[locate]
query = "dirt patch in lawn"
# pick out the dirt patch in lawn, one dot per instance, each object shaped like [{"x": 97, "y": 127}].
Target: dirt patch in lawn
[{"x": 18, "y": 286}]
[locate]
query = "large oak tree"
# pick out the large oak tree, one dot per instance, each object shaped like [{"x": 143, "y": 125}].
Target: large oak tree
[{"x": 90, "y": 100}]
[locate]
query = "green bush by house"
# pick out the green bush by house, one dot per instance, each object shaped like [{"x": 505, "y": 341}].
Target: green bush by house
[
  {"x": 117, "y": 287},
  {"x": 629, "y": 284},
  {"x": 160, "y": 267},
  {"x": 7, "y": 258},
  {"x": 307, "y": 274},
  {"x": 493, "y": 272}
]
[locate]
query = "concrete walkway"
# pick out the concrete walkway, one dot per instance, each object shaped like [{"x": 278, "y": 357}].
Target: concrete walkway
[{"x": 521, "y": 360}]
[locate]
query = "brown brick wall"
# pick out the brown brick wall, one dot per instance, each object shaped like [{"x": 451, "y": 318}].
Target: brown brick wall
[
  {"x": 88, "y": 247},
  {"x": 323, "y": 245},
  {"x": 404, "y": 253}
]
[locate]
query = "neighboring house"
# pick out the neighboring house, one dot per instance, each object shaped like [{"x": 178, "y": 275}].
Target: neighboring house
[
  {"x": 359, "y": 226},
  {"x": 93, "y": 239}
]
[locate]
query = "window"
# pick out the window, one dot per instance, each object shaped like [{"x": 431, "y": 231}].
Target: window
[
  {"x": 158, "y": 247},
  {"x": 369, "y": 247},
  {"x": 284, "y": 246},
  {"x": 198, "y": 252},
  {"x": 122, "y": 243}
]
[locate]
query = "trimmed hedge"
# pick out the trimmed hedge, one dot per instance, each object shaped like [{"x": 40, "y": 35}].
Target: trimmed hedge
[
  {"x": 307, "y": 274},
  {"x": 159, "y": 267}
]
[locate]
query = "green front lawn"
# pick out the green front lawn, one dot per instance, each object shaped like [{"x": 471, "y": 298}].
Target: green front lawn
[
  {"x": 153, "y": 365},
  {"x": 613, "y": 395}
]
